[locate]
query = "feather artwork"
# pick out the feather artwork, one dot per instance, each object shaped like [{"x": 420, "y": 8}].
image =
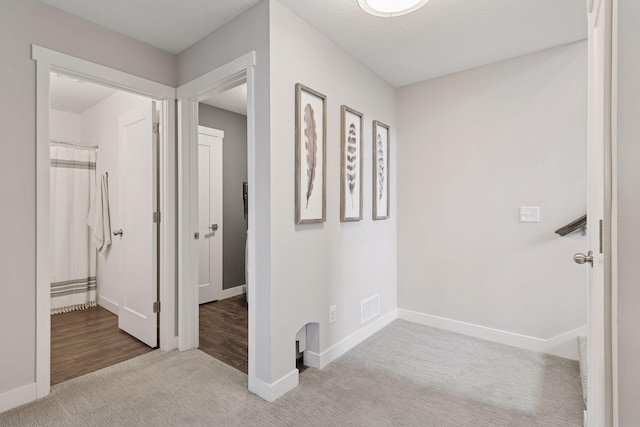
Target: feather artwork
[
  {"x": 312, "y": 148},
  {"x": 381, "y": 171},
  {"x": 351, "y": 160}
]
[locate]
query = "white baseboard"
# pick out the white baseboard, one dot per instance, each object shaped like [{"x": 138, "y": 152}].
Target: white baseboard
[
  {"x": 321, "y": 360},
  {"x": 271, "y": 392},
  {"x": 18, "y": 396},
  {"x": 108, "y": 304},
  {"x": 563, "y": 345},
  {"x": 232, "y": 292},
  {"x": 170, "y": 343}
]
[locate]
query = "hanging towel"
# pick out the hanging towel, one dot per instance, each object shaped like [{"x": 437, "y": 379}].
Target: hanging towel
[{"x": 99, "y": 218}]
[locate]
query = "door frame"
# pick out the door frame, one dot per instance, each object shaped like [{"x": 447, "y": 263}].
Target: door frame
[
  {"x": 48, "y": 60},
  {"x": 227, "y": 76},
  {"x": 601, "y": 224},
  {"x": 614, "y": 214}
]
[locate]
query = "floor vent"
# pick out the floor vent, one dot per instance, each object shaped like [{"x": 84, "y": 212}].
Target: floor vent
[{"x": 369, "y": 308}]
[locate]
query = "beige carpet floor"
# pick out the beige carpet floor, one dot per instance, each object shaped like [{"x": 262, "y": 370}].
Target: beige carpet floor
[{"x": 405, "y": 375}]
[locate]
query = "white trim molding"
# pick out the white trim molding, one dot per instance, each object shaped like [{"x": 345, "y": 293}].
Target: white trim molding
[
  {"x": 233, "y": 292},
  {"x": 43, "y": 277},
  {"x": 108, "y": 304},
  {"x": 321, "y": 360},
  {"x": 234, "y": 73},
  {"x": 219, "y": 80},
  {"x": 18, "y": 396},
  {"x": 277, "y": 389},
  {"x": 563, "y": 345},
  {"x": 211, "y": 132},
  {"x": 91, "y": 71},
  {"x": 227, "y": 76},
  {"x": 46, "y": 61}
]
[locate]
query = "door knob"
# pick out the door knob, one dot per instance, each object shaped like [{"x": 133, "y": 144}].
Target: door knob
[
  {"x": 213, "y": 227},
  {"x": 117, "y": 232},
  {"x": 581, "y": 258}
]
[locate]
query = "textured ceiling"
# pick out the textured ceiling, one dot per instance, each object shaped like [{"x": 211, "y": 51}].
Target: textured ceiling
[
  {"x": 75, "y": 97},
  {"x": 172, "y": 25},
  {"x": 234, "y": 100},
  {"x": 443, "y": 37}
]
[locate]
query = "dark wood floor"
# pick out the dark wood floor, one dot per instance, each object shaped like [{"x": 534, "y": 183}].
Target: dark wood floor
[
  {"x": 224, "y": 330},
  {"x": 84, "y": 341}
]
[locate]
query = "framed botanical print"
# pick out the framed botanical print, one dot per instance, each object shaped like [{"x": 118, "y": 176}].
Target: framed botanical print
[
  {"x": 350, "y": 164},
  {"x": 380, "y": 170},
  {"x": 311, "y": 148}
]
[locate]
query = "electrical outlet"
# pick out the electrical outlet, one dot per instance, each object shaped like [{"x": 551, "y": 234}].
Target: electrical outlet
[{"x": 332, "y": 314}]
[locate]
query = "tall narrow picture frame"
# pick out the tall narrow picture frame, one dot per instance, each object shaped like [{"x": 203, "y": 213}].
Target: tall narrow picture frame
[
  {"x": 350, "y": 164},
  {"x": 311, "y": 149},
  {"x": 381, "y": 194}
]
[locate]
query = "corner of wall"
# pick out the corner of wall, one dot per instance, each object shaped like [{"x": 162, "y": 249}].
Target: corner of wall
[
  {"x": 316, "y": 266},
  {"x": 277, "y": 389},
  {"x": 473, "y": 149},
  {"x": 320, "y": 360},
  {"x": 562, "y": 345}
]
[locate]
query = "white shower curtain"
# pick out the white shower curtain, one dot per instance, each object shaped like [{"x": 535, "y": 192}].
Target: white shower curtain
[{"x": 72, "y": 253}]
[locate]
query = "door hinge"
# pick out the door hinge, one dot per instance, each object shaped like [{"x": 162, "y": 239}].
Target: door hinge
[
  {"x": 156, "y": 217},
  {"x": 156, "y": 307},
  {"x": 156, "y": 128},
  {"x": 601, "y": 236}
]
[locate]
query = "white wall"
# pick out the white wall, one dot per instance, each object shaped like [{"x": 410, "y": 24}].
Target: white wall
[
  {"x": 100, "y": 127},
  {"x": 65, "y": 126},
  {"x": 474, "y": 147},
  {"x": 333, "y": 263},
  {"x": 304, "y": 269},
  {"x": 23, "y": 22},
  {"x": 628, "y": 212}
]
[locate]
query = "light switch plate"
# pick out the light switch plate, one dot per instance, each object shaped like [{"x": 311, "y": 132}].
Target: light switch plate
[{"x": 529, "y": 213}]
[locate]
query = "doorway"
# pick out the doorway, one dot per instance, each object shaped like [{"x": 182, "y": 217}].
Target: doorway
[
  {"x": 130, "y": 127},
  {"x": 103, "y": 180},
  {"x": 222, "y": 217},
  {"x": 231, "y": 75}
]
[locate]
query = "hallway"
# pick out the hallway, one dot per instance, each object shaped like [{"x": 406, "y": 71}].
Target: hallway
[{"x": 406, "y": 374}]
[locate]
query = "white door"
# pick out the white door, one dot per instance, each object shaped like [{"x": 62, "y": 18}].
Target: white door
[
  {"x": 210, "y": 213},
  {"x": 138, "y": 157},
  {"x": 599, "y": 96}
]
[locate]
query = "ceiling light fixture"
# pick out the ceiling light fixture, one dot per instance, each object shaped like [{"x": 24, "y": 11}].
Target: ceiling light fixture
[{"x": 391, "y": 8}]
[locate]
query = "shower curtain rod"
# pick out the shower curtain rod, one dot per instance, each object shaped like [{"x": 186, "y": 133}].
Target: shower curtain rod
[{"x": 73, "y": 144}]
